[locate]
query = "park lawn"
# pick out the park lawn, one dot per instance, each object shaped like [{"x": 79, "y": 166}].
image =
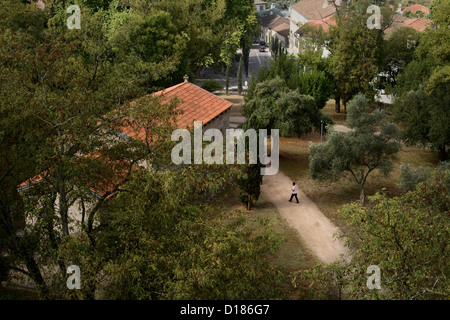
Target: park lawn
[
  {"x": 237, "y": 100},
  {"x": 292, "y": 254},
  {"x": 331, "y": 196},
  {"x": 338, "y": 118}
]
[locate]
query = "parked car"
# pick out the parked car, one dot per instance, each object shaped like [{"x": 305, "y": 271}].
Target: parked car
[{"x": 262, "y": 46}]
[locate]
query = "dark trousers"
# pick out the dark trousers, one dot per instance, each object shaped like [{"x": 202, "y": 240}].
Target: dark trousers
[{"x": 293, "y": 195}]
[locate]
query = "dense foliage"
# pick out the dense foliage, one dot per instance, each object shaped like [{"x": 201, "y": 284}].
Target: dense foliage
[
  {"x": 358, "y": 152},
  {"x": 274, "y": 106},
  {"x": 407, "y": 237},
  {"x": 65, "y": 95}
]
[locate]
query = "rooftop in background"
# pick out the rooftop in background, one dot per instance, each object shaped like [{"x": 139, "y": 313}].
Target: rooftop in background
[
  {"x": 196, "y": 103},
  {"x": 417, "y": 7},
  {"x": 282, "y": 29},
  {"x": 397, "y": 23},
  {"x": 274, "y": 20},
  {"x": 324, "y": 23},
  {"x": 278, "y": 11},
  {"x": 419, "y": 24},
  {"x": 314, "y": 9}
]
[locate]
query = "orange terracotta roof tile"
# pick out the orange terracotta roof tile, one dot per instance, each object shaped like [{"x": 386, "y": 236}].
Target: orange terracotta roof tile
[
  {"x": 313, "y": 9},
  {"x": 324, "y": 23},
  {"x": 419, "y": 24},
  {"x": 197, "y": 103},
  {"x": 417, "y": 7}
]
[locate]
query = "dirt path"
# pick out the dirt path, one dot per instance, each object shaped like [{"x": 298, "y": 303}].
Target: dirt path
[{"x": 314, "y": 228}]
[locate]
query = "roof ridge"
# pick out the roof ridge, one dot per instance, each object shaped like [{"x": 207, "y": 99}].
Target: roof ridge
[{"x": 209, "y": 92}]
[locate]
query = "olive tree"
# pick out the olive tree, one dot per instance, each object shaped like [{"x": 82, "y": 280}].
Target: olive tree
[{"x": 358, "y": 152}]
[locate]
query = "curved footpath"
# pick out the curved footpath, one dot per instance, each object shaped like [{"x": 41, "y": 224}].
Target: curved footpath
[{"x": 313, "y": 226}]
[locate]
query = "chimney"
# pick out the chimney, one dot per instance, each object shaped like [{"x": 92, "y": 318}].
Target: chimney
[{"x": 186, "y": 78}]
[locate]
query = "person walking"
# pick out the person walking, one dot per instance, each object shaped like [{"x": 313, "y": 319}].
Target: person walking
[{"x": 294, "y": 192}]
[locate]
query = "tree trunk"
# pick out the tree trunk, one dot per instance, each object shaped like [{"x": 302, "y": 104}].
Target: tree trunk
[
  {"x": 443, "y": 154},
  {"x": 337, "y": 104},
  {"x": 227, "y": 78},
  {"x": 362, "y": 196},
  {"x": 246, "y": 52},
  {"x": 249, "y": 199},
  {"x": 36, "y": 275}
]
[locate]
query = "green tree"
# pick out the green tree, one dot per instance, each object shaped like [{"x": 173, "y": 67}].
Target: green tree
[
  {"x": 227, "y": 78},
  {"x": 411, "y": 178},
  {"x": 171, "y": 244},
  {"x": 63, "y": 144},
  {"x": 398, "y": 52},
  {"x": 358, "y": 152},
  {"x": 421, "y": 107},
  {"x": 274, "y": 106},
  {"x": 355, "y": 51},
  {"x": 249, "y": 183},
  {"x": 406, "y": 237},
  {"x": 239, "y": 76},
  {"x": 316, "y": 84}
]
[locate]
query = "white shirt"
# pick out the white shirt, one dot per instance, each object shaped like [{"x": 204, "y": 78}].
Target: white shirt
[{"x": 294, "y": 189}]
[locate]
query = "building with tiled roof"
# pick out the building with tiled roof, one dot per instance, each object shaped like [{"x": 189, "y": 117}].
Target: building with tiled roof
[
  {"x": 260, "y": 5},
  {"x": 311, "y": 10},
  {"x": 195, "y": 104},
  {"x": 399, "y": 21},
  {"x": 323, "y": 24},
  {"x": 418, "y": 24},
  {"x": 417, "y": 7},
  {"x": 275, "y": 25},
  {"x": 273, "y": 20}
]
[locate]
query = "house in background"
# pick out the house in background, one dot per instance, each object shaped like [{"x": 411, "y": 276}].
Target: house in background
[
  {"x": 275, "y": 25},
  {"x": 322, "y": 24},
  {"x": 196, "y": 104},
  {"x": 260, "y": 5},
  {"x": 418, "y": 10},
  {"x": 399, "y": 21},
  {"x": 301, "y": 13}
]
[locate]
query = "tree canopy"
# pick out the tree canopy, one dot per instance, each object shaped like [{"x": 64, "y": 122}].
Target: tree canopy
[
  {"x": 406, "y": 237},
  {"x": 274, "y": 106},
  {"x": 358, "y": 152}
]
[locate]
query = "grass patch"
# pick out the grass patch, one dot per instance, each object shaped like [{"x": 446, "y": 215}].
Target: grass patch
[
  {"x": 331, "y": 196},
  {"x": 338, "y": 118},
  {"x": 292, "y": 254},
  {"x": 237, "y": 100}
]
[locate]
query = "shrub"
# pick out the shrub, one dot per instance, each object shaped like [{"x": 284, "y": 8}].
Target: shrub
[
  {"x": 211, "y": 85},
  {"x": 410, "y": 178}
]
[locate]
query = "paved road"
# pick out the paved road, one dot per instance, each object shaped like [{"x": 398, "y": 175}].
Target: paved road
[{"x": 257, "y": 59}]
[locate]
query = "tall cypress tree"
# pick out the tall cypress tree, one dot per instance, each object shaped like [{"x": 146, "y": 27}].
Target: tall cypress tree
[
  {"x": 240, "y": 76},
  {"x": 227, "y": 79}
]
